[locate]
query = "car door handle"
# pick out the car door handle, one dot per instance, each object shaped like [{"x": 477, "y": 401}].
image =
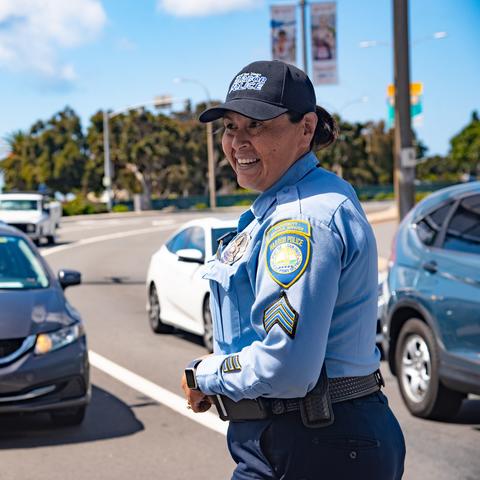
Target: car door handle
[{"x": 430, "y": 266}]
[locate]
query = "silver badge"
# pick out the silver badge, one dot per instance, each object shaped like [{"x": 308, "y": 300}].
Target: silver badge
[{"x": 235, "y": 249}]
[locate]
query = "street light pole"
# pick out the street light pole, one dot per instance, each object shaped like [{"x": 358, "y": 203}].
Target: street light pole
[
  {"x": 210, "y": 146},
  {"x": 303, "y": 8},
  {"x": 107, "y": 165},
  {"x": 404, "y": 153}
]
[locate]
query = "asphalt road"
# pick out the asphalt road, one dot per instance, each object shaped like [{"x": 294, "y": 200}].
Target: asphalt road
[{"x": 129, "y": 432}]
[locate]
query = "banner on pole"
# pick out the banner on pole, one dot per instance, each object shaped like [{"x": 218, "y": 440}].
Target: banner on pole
[
  {"x": 323, "y": 20},
  {"x": 416, "y": 104},
  {"x": 283, "y": 27}
]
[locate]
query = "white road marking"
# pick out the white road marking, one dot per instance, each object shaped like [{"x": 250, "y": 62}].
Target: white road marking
[
  {"x": 161, "y": 222},
  {"x": 104, "y": 238},
  {"x": 154, "y": 391},
  {"x": 104, "y": 224}
]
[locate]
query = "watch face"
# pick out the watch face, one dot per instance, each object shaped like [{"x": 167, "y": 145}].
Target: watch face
[{"x": 191, "y": 380}]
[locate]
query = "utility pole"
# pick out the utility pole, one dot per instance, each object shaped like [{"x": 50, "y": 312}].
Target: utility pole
[
  {"x": 404, "y": 152},
  {"x": 303, "y": 8},
  {"x": 211, "y": 166}
]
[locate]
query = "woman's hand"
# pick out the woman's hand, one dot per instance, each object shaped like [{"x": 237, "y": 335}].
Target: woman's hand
[{"x": 197, "y": 401}]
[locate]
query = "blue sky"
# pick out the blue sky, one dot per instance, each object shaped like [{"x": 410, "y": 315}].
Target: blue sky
[{"x": 94, "y": 54}]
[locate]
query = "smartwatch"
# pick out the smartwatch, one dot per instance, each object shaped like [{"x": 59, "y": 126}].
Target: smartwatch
[{"x": 190, "y": 374}]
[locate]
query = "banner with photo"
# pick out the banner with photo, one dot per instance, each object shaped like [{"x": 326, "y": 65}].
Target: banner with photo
[
  {"x": 283, "y": 26},
  {"x": 323, "y": 20}
]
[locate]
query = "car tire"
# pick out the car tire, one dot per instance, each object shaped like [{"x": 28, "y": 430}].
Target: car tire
[
  {"x": 156, "y": 323},
  {"x": 51, "y": 239},
  {"x": 68, "y": 417},
  {"x": 207, "y": 325},
  {"x": 417, "y": 369}
]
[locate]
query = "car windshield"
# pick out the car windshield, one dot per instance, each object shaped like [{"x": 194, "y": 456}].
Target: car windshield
[
  {"x": 217, "y": 233},
  {"x": 19, "y": 267},
  {"x": 18, "y": 205}
]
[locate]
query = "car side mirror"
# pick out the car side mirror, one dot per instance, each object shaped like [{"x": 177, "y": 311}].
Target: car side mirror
[
  {"x": 191, "y": 255},
  {"x": 68, "y": 278}
]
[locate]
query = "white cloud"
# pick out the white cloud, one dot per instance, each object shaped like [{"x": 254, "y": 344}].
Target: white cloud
[
  {"x": 204, "y": 7},
  {"x": 33, "y": 31}
]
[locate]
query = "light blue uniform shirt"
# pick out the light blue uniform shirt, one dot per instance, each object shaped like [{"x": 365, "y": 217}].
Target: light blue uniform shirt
[{"x": 273, "y": 334}]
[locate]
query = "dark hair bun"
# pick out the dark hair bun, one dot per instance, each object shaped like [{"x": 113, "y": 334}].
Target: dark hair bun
[{"x": 327, "y": 130}]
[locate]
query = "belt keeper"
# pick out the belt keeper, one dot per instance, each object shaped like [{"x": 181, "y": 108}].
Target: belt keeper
[
  {"x": 278, "y": 407},
  {"x": 379, "y": 377}
]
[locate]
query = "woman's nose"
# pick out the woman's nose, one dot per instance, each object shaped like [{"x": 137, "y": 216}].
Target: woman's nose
[{"x": 240, "y": 140}]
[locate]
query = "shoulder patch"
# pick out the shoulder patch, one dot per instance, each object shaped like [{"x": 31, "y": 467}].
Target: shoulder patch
[
  {"x": 283, "y": 314},
  {"x": 231, "y": 364},
  {"x": 288, "y": 250}
]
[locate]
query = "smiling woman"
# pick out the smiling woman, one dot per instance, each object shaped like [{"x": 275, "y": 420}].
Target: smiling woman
[{"x": 293, "y": 296}]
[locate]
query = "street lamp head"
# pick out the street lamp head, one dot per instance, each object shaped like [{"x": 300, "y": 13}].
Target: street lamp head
[{"x": 368, "y": 43}]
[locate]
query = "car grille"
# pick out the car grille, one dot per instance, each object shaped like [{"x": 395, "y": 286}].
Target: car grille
[{"x": 7, "y": 347}]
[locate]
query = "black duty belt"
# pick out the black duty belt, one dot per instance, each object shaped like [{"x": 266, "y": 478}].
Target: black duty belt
[{"x": 339, "y": 390}]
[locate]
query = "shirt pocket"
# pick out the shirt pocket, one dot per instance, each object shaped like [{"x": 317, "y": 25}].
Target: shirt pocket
[{"x": 223, "y": 302}]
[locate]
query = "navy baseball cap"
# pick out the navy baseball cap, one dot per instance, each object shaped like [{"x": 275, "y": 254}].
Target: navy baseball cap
[{"x": 264, "y": 90}]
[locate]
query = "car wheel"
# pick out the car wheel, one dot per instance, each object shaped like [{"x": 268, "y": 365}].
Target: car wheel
[
  {"x": 154, "y": 313},
  {"x": 67, "y": 417},
  {"x": 207, "y": 326},
  {"x": 50, "y": 239},
  {"x": 417, "y": 366}
]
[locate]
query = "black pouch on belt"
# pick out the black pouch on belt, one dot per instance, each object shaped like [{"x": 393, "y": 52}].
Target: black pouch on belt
[{"x": 316, "y": 408}]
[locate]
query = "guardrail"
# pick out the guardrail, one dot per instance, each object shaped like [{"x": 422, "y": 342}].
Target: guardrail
[{"x": 369, "y": 192}]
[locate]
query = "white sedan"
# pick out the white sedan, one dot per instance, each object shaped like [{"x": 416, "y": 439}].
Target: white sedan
[{"x": 178, "y": 296}]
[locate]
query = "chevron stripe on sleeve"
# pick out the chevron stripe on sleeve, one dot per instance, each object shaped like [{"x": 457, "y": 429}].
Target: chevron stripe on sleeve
[
  {"x": 231, "y": 364},
  {"x": 283, "y": 314}
]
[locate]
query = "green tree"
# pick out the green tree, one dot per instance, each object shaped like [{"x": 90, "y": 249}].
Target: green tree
[
  {"x": 51, "y": 153},
  {"x": 465, "y": 148}
]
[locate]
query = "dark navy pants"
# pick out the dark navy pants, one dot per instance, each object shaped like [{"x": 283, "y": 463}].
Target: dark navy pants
[{"x": 364, "y": 442}]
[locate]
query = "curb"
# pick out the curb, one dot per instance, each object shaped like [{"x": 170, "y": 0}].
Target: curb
[{"x": 386, "y": 215}]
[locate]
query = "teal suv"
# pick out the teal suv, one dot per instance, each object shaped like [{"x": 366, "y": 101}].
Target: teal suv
[{"x": 431, "y": 320}]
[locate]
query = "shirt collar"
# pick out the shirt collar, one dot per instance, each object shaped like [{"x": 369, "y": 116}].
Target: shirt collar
[{"x": 293, "y": 175}]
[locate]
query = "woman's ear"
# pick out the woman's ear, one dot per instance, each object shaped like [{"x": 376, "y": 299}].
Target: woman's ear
[{"x": 309, "y": 125}]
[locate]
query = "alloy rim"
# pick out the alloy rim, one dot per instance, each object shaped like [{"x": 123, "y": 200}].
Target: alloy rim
[
  {"x": 154, "y": 308},
  {"x": 416, "y": 368},
  {"x": 208, "y": 327}
]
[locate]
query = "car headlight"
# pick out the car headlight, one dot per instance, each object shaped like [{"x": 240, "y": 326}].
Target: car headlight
[{"x": 48, "y": 342}]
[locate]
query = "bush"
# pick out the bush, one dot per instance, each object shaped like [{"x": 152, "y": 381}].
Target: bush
[
  {"x": 119, "y": 208},
  {"x": 243, "y": 203},
  {"x": 81, "y": 206},
  {"x": 421, "y": 195},
  {"x": 384, "y": 196}
]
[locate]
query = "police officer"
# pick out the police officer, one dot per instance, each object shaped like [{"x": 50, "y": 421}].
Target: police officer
[{"x": 294, "y": 299}]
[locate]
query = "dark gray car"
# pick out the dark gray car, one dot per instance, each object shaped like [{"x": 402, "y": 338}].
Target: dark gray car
[{"x": 43, "y": 352}]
